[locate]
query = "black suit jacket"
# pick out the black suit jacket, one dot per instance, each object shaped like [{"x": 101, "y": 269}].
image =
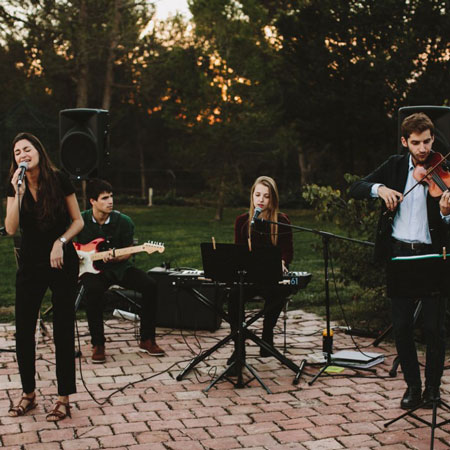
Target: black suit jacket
[{"x": 393, "y": 174}]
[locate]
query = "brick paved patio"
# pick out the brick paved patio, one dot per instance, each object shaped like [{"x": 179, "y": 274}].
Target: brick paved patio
[{"x": 158, "y": 412}]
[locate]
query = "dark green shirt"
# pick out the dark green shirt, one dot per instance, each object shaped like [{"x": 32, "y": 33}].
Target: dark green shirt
[{"x": 118, "y": 232}]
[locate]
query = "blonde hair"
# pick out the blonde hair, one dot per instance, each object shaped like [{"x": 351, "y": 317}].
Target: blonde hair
[{"x": 272, "y": 209}]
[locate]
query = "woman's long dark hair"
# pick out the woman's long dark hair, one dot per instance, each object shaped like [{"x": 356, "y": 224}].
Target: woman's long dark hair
[{"x": 50, "y": 197}]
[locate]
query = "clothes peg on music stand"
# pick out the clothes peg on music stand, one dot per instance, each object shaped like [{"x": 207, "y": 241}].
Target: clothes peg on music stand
[
  {"x": 444, "y": 253},
  {"x": 213, "y": 242}
]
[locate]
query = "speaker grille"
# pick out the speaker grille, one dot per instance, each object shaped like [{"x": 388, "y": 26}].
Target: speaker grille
[
  {"x": 83, "y": 140},
  {"x": 79, "y": 153}
]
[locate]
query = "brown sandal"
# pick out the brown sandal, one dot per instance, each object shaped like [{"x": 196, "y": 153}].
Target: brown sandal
[
  {"x": 20, "y": 409},
  {"x": 55, "y": 415}
]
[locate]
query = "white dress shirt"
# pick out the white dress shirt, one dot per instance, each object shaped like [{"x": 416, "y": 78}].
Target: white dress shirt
[{"x": 411, "y": 221}]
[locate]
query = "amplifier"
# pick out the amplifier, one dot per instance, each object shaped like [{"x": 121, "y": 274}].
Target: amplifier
[{"x": 179, "y": 308}]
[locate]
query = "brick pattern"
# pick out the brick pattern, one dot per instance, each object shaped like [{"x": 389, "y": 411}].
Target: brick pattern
[{"x": 156, "y": 411}]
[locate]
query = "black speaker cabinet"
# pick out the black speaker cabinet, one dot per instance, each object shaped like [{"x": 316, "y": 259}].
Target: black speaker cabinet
[
  {"x": 179, "y": 308},
  {"x": 440, "y": 116},
  {"x": 84, "y": 141}
]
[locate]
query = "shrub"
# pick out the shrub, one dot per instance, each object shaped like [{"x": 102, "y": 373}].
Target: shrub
[{"x": 358, "y": 220}]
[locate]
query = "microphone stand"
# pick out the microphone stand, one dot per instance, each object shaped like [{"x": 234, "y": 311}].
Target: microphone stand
[{"x": 326, "y": 236}]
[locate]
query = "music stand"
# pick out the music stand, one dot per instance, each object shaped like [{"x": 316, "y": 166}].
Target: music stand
[
  {"x": 234, "y": 264},
  {"x": 420, "y": 276}
]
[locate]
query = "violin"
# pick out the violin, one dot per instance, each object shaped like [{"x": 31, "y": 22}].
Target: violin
[{"x": 433, "y": 174}]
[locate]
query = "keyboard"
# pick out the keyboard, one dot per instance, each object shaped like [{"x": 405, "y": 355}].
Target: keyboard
[{"x": 295, "y": 280}]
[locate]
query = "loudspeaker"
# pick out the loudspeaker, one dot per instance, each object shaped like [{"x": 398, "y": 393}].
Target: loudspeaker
[
  {"x": 179, "y": 308},
  {"x": 83, "y": 141},
  {"x": 440, "y": 116}
]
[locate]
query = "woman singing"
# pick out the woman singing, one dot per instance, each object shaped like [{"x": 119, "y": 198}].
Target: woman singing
[
  {"x": 264, "y": 195},
  {"x": 45, "y": 209}
]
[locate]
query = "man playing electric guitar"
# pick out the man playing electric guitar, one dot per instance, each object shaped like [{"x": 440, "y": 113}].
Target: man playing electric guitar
[{"x": 117, "y": 229}]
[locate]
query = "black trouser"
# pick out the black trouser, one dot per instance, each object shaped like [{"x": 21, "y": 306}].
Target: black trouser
[
  {"x": 32, "y": 282},
  {"x": 136, "y": 279},
  {"x": 433, "y": 314},
  {"x": 273, "y": 305}
]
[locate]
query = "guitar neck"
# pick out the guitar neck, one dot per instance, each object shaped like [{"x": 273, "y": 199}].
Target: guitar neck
[{"x": 118, "y": 252}]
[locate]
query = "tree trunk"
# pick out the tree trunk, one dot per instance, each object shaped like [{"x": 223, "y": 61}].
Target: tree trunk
[
  {"x": 83, "y": 67},
  {"x": 140, "y": 149},
  {"x": 305, "y": 167},
  {"x": 220, "y": 200},
  {"x": 240, "y": 184},
  {"x": 109, "y": 72}
]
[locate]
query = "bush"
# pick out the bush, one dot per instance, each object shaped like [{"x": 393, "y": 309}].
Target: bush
[{"x": 358, "y": 220}]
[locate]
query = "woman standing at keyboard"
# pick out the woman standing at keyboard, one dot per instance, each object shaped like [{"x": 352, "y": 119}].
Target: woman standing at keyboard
[{"x": 264, "y": 195}]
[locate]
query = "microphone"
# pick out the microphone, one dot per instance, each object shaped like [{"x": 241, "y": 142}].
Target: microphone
[
  {"x": 23, "y": 168},
  {"x": 257, "y": 212}
]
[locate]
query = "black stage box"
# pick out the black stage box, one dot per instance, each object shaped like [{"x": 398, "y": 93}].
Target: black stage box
[{"x": 179, "y": 308}]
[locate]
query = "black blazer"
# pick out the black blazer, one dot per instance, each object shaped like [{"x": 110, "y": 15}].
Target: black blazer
[{"x": 393, "y": 174}]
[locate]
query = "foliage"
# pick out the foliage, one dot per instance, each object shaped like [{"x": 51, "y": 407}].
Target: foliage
[
  {"x": 357, "y": 220},
  {"x": 300, "y": 90}
]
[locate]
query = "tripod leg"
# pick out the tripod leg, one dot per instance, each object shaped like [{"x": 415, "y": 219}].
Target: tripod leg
[
  {"x": 203, "y": 355},
  {"x": 377, "y": 341},
  {"x": 317, "y": 375},
  {"x": 222, "y": 375},
  {"x": 256, "y": 376},
  {"x": 272, "y": 350},
  {"x": 433, "y": 423},
  {"x": 43, "y": 328},
  {"x": 285, "y": 325},
  {"x": 300, "y": 371}
]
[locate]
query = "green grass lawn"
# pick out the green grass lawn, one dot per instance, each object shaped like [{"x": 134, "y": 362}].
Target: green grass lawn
[{"x": 182, "y": 229}]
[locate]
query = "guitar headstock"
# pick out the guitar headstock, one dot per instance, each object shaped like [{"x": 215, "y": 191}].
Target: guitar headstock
[{"x": 152, "y": 247}]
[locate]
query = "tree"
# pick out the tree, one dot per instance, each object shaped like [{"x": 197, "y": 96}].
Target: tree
[{"x": 78, "y": 46}]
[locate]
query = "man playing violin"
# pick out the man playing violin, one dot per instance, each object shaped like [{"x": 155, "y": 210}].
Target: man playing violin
[
  {"x": 117, "y": 229},
  {"x": 412, "y": 222}
]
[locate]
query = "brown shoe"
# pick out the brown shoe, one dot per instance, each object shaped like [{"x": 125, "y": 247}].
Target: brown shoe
[
  {"x": 98, "y": 354},
  {"x": 151, "y": 347}
]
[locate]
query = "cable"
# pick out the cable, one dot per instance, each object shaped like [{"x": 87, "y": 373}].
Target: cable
[
  {"x": 121, "y": 389},
  {"x": 341, "y": 306}
]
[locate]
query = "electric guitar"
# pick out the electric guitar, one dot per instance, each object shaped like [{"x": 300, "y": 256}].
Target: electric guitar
[{"x": 89, "y": 253}]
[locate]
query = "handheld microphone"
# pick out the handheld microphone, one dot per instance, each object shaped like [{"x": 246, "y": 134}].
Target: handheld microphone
[
  {"x": 257, "y": 212},
  {"x": 23, "y": 168}
]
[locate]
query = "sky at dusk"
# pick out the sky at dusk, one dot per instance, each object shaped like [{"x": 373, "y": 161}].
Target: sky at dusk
[{"x": 165, "y": 8}]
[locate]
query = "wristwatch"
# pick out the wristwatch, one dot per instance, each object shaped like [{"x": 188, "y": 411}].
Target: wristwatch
[{"x": 63, "y": 240}]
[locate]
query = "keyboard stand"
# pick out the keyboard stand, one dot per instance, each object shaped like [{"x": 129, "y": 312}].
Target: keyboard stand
[{"x": 246, "y": 333}]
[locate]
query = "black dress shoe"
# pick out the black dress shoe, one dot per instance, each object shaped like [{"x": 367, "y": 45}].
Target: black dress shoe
[
  {"x": 430, "y": 394},
  {"x": 411, "y": 398}
]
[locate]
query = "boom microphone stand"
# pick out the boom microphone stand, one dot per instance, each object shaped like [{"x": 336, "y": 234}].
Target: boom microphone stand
[{"x": 326, "y": 236}]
